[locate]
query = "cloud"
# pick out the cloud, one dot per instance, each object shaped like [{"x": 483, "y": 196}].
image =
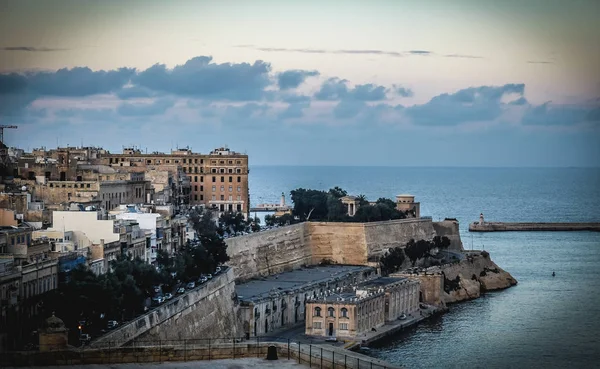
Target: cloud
[
  {"x": 134, "y": 92},
  {"x": 549, "y": 114},
  {"x": 520, "y": 101},
  {"x": 346, "y": 109},
  {"x": 539, "y": 62},
  {"x": 294, "y": 78},
  {"x": 337, "y": 89},
  {"x": 323, "y": 51},
  {"x": 472, "y": 104},
  {"x": 420, "y": 52},
  {"x": 403, "y": 91},
  {"x": 294, "y": 98},
  {"x": 87, "y": 114},
  {"x": 158, "y": 106},
  {"x": 201, "y": 77},
  {"x": 239, "y": 115},
  {"x": 463, "y": 56},
  {"x": 31, "y": 49},
  {"x": 294, "y": 110}
]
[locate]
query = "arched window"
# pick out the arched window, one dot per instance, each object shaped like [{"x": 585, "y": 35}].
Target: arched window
[
  {"x": 331, "y": 312},
  {"x": 344, "y": 312},
  {"x": 317, "y": 311}
]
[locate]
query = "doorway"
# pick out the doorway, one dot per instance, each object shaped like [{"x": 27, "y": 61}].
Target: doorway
[{"x": 330, "y": 331}]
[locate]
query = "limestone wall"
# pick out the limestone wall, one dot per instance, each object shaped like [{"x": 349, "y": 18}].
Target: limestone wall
[
  {"x": 381, "y": 236},
  {"x": 342, "y": 243},
  {"x": 290, "y": 247},
  {"x": 269, "y": 252},
  {"x": 207, "y": 311}
]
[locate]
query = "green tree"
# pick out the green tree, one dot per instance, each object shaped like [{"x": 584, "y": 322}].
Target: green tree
[
  {"x": 337, "y": 192},
  {"x": 232, "y": 222},
  {"x": 309, "y": 204},
  {"x": 392, "y": 260}
]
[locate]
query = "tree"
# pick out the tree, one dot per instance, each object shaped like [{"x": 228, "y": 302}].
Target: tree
[
  {"x": 336, "y": 211},
  {"x": 255, "y": 224},
  {"x": 392, "y": 260},
  {"x": 309, "y": 204},
  {"x": 362, "y": 200},
  {"x": 337, "y": 192},
  {"x": 232, "y": 223}
]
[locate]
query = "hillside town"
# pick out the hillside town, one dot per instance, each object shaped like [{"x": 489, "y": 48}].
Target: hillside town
[{"x": 84, "y": 206}]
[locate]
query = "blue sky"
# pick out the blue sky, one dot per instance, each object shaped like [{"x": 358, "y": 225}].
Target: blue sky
[{"x": 408, "y": 83}]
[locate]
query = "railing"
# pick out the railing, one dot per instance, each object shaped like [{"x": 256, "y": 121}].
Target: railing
[{"x": 145, "y": 351}]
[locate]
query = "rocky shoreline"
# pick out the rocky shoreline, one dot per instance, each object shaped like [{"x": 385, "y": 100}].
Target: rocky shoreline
[{"x": 472, "y": 276}]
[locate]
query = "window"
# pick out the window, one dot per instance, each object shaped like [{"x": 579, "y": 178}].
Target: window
[
  {"x": 214, "y": 197},
  {"x": 201, "y": 188},
  {"x": 195, "y": 188},
  {"x": 331, "y": 312},
  {"x": 239, "y": 198},
  {"x": 238, "y": 162},
  {"x": 230, "y": 179},
  {"x": 222, "y": 188},
  {"x": 201, "y": 197},
  {"x": 222, "y": 170},
  {"x": 343, "y": 326},
  {"x": 239, "y": 189},
  {"x": 229, "y": 170},
  {"x": 213, "y": 170},
  {"x": 214, "y": 179},
  {"x": 238, "y": 170},
  {"x": 230, "y": 162},
  {"x": 195, "y": 178},
  {"x": 316, "y": 325},
  {"x": 239, "y": 207},
  {"x": 230, "y": 188},
  {"x": 201, "y": 178},
  {"x": 196, "y": 197},
  {"x": 317, "y": 311},
  {"x": 344, "y": 313},
  {"x": 222, "y": 197},
  {"x": 214, "y": 188},
  {"x": 239, "y": 179},
  {"x": 230, "y": 198}
]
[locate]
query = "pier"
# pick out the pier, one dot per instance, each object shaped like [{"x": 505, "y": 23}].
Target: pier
[{"x": 528, "y": 227}]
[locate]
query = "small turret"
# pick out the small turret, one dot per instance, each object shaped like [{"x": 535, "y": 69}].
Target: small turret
[{"x": 481, "y": 219}]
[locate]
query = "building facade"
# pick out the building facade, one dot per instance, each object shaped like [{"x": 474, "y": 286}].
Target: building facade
[
  {"x": 279, "y": 300},
  {"x": 217, "y": 180}
]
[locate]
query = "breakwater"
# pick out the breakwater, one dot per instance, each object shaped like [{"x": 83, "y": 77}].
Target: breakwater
[{"x": 511, "y": 227}]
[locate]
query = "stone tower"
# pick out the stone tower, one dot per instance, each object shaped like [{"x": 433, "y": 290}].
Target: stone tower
[{"x": 53, "y": 335}]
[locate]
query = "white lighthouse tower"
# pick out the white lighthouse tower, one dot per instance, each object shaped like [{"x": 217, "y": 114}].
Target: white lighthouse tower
[
  {"x": 282, "y": 201},
  {"x": 481, "y": 219}
]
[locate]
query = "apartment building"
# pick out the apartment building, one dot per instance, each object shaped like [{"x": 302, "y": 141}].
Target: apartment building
[{"x": 218, "y": 180}]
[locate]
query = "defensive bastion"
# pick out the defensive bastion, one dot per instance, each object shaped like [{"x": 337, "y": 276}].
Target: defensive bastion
[{"x": 307, "y": 243}]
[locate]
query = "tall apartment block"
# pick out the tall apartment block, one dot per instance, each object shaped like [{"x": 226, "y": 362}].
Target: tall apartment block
[{"x": 218, "y": 180}]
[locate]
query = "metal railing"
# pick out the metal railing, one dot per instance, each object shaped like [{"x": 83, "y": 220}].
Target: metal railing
[{"x": 145, "y": 351}]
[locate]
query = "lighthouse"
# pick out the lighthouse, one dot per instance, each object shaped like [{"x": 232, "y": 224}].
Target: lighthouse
[
  {"x": 481, "y": 219},
  {"x": 282, "y": 201}
]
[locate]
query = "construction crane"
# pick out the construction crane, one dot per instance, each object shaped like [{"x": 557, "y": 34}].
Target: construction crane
[{"x": 2, "y": 131}]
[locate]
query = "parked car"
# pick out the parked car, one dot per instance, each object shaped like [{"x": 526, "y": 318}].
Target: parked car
[
  {"x": 181, "y": 290},
  {"x": 402, "y": 317},
  {"x": 168, "y": 296},
  {"x": 157, "y": 300},
  {"x": 112, "y": 324},
  {"x": 202, "y": 279},
  {"x": 190, "y": 285},
  {"x": 209, "y": 276},
  {"x": 331, "y": 339},
  {"x": 218, "y": 270}
]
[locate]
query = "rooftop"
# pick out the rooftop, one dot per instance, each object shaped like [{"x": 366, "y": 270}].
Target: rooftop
[
  {"x": 288, "y": 281},
  {"x": 379, "y": 282}
]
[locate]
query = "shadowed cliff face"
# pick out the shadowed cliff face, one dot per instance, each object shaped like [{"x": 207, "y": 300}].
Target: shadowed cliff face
[{"x": 476, "y": 274}]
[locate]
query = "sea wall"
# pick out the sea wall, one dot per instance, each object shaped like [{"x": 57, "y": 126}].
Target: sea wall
[
  {"x": 269, "y": 252},
  {"x": 208, "y": 311},
  {"x": 381, "y": 236},
  {"x": 530, "y": 227}
]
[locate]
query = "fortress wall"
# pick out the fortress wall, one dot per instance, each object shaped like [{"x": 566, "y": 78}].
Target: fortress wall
[
  {"x": 342, "y": 243},
  {"x": 381, "y": 236},
  {"x": 450, "y": 229},
  {"x": 207, "y": 311},
  {"x": 287, "y": 248},
  {"x": 269, "y": 252}
]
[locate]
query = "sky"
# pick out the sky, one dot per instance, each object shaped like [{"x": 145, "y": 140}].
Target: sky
[{"x": 386, "y": 83}]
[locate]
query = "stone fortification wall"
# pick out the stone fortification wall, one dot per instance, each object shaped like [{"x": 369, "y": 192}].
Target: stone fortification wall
[
  {"x": 381, "y": 236},
  {"x": 290, "y": 247},
  {"x": 269, "y": 252},
  {"x": 341, "y": 243},
  {"x": 450, "y": 229},
  {"x": 207, "y": 311}
]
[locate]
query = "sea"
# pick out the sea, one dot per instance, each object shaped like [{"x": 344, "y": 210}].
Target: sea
[{"x": 544, "y": 321}]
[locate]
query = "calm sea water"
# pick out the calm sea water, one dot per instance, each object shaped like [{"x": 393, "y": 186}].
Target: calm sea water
[{"x": 542, "y": 322}]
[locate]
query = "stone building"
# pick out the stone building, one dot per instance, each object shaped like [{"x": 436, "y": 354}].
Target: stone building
[
  {"x": 218, "y": 180},
  {"x": 279, "y": 300},
  {"x": 345, "y": 314},
  {"x": 407, "y": 203},
  {"x": 53, "y": 335},
  {"x": 350, "y": 312},
  {"x": 431, "y": 285}
]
